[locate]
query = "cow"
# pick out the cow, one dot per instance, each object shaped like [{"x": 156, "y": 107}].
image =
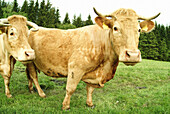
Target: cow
[
  {"x": 14, "y": 45},
  {"x": 90, "y": 53}
]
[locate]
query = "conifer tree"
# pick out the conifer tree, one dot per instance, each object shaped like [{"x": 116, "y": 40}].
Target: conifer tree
[
  {"x": 48, "y": 6},
  {"x": 66, "y": 19},
  {"x": 50, "y": 15},
  {"x": 168, "y": 42},
  {"x": 57, "y": 18},
  {"x": 36, "y": 11},
  {"x": 24, "y": 7},
  {"x": 79, "y": 22},
  {"x": 15, "y": 7},
  {"x": 161, "y": 35},
  {"x": 89, "y": 21},
  {"x": 148, "y": 46},
  {"x": 51, "y": 18},
  {"x": 1, "y": 11},
  {"x": 142, "y": 45},
  {"x": 4, "y": 4},
  {"x": 162, "y": 43},
  {"x": 74, "y": 20},
  {"x": 42, "y": 14},
  {"x": 31, "y": 14},
  {"x": 152, "y": 46}
]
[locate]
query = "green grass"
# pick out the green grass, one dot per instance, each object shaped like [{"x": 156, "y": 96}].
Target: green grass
[{"x": 143, "y": 88}]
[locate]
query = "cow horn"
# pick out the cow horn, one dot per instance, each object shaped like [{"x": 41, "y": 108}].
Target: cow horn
[
  {"x": 35, "y": 26},
  {"x": 99, "y": 14},
  {"x": 4, "y": 22},
  {"x": 143, "y": 18}
]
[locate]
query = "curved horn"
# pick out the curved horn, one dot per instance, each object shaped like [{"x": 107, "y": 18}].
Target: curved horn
[
  {"x": 4, "y": 22},
  {"x": 143, "y": 18},
  {"x": 99, "y": 14},
  {"x": 35, "y": 26}
]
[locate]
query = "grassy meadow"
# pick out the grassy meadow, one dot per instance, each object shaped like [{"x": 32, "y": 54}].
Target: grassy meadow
[{"x": 143, "y": 88}]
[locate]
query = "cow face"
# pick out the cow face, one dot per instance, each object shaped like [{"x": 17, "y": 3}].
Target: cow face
[
  {"x": 124, "y": 34},
  {"x": 15, "y": 39}
]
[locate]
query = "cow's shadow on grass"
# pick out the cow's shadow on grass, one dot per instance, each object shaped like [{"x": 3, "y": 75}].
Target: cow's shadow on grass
[{"x": 46, "y": 87}]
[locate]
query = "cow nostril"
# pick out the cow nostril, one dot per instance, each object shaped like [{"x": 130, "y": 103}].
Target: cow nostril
[
  {"x": 127, "y": 54},
  {"x": 26, "y": 54}
]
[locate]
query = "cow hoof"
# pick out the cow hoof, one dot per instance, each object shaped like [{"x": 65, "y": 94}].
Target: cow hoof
[
  {"x": 32, "y": 92},
  {"x": 9, "y": 96},
  {"x": 43, "y": 95},
  {"x": 67, "y": 108},
  {"x": 91, "y": 106}
]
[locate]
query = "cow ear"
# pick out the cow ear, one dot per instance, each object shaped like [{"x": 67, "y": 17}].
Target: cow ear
[
  {"x": 2, "y": 30},
  {"x": 103, "y": 22},
  {"x": 147, "y": 26}
]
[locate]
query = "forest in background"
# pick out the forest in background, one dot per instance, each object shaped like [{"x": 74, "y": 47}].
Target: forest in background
[{"x": 154, "y": 45}]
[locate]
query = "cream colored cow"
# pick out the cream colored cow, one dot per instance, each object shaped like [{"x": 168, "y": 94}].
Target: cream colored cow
[
  {"x": 91, "y": 53},
  {"x": 14, "y": 45}
]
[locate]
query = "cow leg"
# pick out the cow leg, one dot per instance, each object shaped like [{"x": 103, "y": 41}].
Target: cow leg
[
  {"x": 32, "y": 77},
  {"x": 30, "y": 81},
  {"x": 74, "y": 77},
  {"x": 7, "y": 90},
  {"x": 90, "y": 90}
]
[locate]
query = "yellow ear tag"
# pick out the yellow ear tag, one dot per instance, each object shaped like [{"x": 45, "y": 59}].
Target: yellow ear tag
[
  {"x": 145, "y": 28},
  {"x": 105, "y": 26},
  {"x": 0, "y": 32}
]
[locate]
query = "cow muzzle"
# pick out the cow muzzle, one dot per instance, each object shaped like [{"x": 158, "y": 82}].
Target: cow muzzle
[
  {"x": 27, "y": 56},
  {"x": 129, "y": 57}
]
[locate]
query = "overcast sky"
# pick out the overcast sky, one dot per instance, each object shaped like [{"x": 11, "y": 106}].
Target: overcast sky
[{"x": 145, "y": 8}]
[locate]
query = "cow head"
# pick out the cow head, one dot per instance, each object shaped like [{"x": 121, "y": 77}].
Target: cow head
[
  {"x": 124, "y": 34},
  {"x": 15, "y": 33}
]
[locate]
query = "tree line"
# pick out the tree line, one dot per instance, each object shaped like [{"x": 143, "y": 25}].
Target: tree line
[
  {"x": 43, "y": 14},
  {"x": 154, "y": 45}
]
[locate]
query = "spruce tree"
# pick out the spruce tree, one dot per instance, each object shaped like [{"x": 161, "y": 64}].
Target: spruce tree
[
  {"x": 89, "y": 21},
  {"x": 162, "y": 43},
  {"x": 66, "y": 19},
  {"x": 36, "y": 11},
  {"x": 79, "y": 21},
  {"x": 168, "y": 42},
  {"x": 74, "y": 20},
  {"x": 57, "y": 18},
  {"x": 1, "y": 11},
  {"x": 24, "y": 7},
  {"x": 4, "y": 4},
  {"x": 31, "y": 14},
  {"x": 42, "y": 14},
  {"x": 142, "y": 45},
  {"x": 48, "y": 6},
  {"x": 161, "y": 39},
  {"x": 50, "y": 15},
  {"x": 15, "y": 7},
  {"x": 51, "y": 18},
  {"x": 148, "y": 46},
  {"x": 152, "y": 46}
]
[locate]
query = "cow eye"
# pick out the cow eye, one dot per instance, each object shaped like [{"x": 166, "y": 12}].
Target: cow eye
[
  {"x": 139, "y": 30},
  {"x": 115, "y": 29}
]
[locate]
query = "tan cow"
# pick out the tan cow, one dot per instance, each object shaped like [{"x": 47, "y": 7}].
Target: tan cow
[
  {"x": 91, "y": 53},
  {"x": 14, "y": 45}
]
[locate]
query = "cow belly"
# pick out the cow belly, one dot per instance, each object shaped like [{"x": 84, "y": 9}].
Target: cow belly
[
  {"x": 52, "y": 70},
  {"x": 101, "y": 75},
  {"x": 94, "y": 82}
]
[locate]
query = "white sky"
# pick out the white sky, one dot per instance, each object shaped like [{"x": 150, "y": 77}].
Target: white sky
[{"x": 145, "y": 8}]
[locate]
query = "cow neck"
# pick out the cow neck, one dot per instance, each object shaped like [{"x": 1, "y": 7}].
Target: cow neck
[{"x": 109, "y": 47}]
